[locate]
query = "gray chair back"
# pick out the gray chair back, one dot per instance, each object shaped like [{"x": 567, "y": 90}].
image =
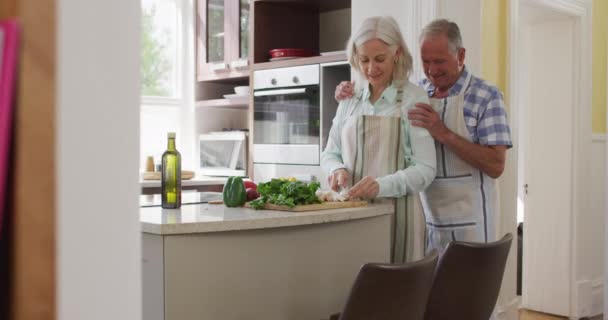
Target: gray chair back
[
  {"x": 391, "y": 291},
  {"x": 467, "y": 280}
]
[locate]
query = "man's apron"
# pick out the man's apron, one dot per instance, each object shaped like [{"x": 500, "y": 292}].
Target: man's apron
[
  {"x": 462, "y": 202},
  {"x": 373, "y": 146}
]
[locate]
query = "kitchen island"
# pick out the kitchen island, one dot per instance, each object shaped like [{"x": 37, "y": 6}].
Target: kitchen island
[{"x": 212, "y": 262}]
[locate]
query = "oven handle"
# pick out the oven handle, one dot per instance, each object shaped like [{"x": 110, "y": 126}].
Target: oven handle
[{"x": 279, "y": 92}]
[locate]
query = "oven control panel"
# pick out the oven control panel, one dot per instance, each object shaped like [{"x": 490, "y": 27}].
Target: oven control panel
[{"x": 286, "y": 77}]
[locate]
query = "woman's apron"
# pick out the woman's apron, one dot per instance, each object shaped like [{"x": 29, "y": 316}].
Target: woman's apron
[
  {"x": 372, "y": 146},
  {"x": 462, "y": 202}
]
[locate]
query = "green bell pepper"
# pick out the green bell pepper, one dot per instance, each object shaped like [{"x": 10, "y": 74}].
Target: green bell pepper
[{"x": 234, "y": 193}]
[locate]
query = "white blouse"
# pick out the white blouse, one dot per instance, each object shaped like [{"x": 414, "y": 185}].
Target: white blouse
[{"x": 420, "y": 154}]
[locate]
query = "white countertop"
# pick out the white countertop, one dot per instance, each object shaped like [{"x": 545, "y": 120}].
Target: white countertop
[
  {"x": 196, "y": 181},
  {"x": 203, "y": 218}
]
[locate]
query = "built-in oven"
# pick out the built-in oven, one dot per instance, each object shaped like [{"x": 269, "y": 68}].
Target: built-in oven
[
  {"x": 287, "y": 116},
  {"x": 293, "y": 111}
]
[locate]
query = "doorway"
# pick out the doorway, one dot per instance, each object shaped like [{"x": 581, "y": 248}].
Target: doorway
[
  {"x": 547, "y": 84},
  {"x": 546, "y": 143}
]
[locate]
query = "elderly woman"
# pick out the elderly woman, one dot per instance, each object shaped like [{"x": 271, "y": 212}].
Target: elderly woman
[{"x": 372, "y": 150}]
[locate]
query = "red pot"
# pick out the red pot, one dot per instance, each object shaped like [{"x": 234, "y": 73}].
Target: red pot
[{"x": 291, "y": 52}]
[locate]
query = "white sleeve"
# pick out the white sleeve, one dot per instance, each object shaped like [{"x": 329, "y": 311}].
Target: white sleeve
[
  {"x": 422, "y": 163},
  {"x": 331, "y": 158}
]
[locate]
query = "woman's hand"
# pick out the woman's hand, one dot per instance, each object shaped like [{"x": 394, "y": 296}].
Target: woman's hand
[
  {"x": 367, "y": 188},
  {"x": 344, "y": 90},
  {"x": 338, "y": 179}
]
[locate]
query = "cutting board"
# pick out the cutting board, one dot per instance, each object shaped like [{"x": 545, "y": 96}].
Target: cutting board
[{"x": 317, "y": 206}]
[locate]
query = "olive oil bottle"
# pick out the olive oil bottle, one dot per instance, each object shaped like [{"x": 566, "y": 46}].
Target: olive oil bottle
[{"x": 171, "y": 175}]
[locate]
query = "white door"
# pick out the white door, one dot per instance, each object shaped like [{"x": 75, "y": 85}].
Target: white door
[{"x": 548, "y": 54}]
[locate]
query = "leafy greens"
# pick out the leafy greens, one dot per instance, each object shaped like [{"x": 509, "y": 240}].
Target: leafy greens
[{"x": 286, "y": 193}]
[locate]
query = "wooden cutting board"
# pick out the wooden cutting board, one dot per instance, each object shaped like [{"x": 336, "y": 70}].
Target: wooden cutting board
[{"x": 317, "y": 206}]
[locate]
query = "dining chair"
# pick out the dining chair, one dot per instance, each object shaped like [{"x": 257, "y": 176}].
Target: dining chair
[
  {"x": 467, "y": 280},
  {"x": 390, "y": 291}
]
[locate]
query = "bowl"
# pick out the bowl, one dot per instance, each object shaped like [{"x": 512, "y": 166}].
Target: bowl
[{"x": 241, "y": 90}]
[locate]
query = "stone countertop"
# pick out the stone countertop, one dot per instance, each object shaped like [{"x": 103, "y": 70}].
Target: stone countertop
[{"x": 204, "y": 218}]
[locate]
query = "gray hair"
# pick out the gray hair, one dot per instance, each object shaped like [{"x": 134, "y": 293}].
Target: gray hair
[
  {"x": 386, "y": 30},
  {"x": 443, "y": 27}
]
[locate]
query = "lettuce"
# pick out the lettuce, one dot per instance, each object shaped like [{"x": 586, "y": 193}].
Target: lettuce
[{"x": 286, "y": 193}]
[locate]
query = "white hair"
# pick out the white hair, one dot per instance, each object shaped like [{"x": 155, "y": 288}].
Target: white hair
[
  {"x": 446, "y": 27},
  {"x": 386, "y": 30}
]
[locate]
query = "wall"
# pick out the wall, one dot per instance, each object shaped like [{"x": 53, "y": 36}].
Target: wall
[
  {"x": 98, "y": 230},
  {"x": 338, "y": 21},
  {"x": 155, "y": 122},
  {"x": 600, "y": 29},
  {"x": 494, "y": 66},
  {"x": 596, "y": 244},
  {"x": 468, "y": 15},
  {"x": 595, "y": 248},
  {"x": 599, "y": 112}
]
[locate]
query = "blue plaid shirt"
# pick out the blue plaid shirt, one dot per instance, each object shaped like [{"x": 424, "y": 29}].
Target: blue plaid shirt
[{"x": 484, "y": 110}]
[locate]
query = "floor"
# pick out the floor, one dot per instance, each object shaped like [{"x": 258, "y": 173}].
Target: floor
[{"x": 531, "y": 315}]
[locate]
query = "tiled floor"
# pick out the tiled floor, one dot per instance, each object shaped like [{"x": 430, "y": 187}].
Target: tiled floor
[{"x": 531, "y": 315}]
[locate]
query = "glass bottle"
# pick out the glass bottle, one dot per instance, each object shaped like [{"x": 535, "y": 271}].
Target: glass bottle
[{"x": 171, "y": 177}]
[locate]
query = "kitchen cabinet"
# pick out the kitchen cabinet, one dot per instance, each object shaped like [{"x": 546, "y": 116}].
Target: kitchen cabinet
[
  {"x": 222, "y": 31},
  {"x": 317, "y": 25},
  {"x": 222, "y": 63}
]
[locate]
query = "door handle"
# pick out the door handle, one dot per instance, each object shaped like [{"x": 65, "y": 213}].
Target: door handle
[
  {"x": 218, "y": 67},
  {"x": 237, "y": 64},
  {"x": 279, "y": 92}
]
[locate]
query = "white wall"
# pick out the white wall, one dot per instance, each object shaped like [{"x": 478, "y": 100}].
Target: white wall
[
  {"x": 155, "y": 122},
  {"x": 467, "y": 14},
  {"x": 98, "y": 236}
]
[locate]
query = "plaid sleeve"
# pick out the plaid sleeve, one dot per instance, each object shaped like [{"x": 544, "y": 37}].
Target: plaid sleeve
[{"x": 493, "y": 125}]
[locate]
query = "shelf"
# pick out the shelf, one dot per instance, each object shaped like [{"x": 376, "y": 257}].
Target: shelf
[
  {"x": 340, "y": 56},
  {"x": 223, "y": 103},
  {"x": 229, "y": 76}
]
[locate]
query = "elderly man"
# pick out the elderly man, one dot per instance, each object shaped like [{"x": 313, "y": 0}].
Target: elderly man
[{"x": 467, "y": 118}]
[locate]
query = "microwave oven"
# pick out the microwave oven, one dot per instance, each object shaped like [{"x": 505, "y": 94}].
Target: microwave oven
[{"x": 223, "y": 153}]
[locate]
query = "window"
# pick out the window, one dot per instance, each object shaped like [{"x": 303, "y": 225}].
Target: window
[
  {"x": 162, "y": 65},
  {"x": 167, "y": 77}
]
